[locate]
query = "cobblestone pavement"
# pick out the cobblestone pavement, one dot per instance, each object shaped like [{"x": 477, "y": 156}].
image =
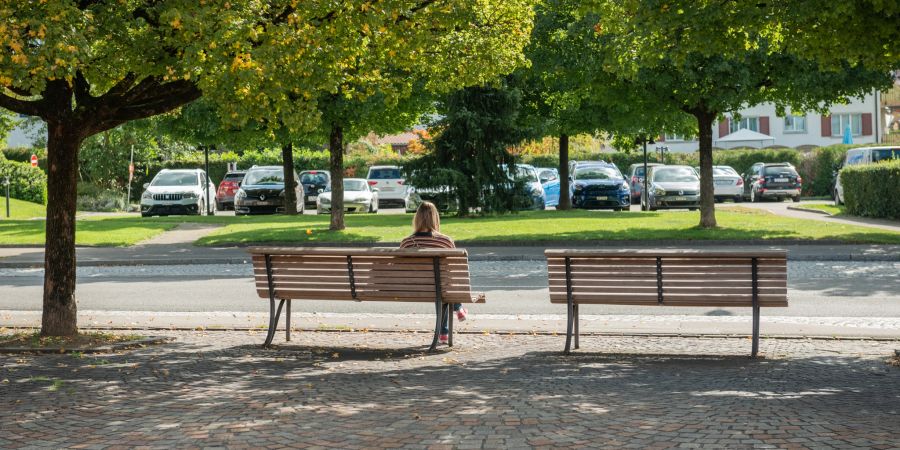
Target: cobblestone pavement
[{"x": 348, "y": 390}]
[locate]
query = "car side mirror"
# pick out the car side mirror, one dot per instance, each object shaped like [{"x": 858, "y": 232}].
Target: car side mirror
[{"x": 146, "y": 185}]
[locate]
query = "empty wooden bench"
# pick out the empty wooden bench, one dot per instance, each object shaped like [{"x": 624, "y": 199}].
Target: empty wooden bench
[
  {"x": 724, "y": 279},
  {"x": 439, "y": 276}
]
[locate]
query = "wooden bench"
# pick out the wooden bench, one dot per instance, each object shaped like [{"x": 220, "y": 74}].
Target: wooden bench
[
  {"x": 667, "y": 278},
  {"x": 439, "y": 276}
]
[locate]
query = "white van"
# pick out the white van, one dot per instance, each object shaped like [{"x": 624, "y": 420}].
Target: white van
[
  {"x": 860, "y": 156},
  {"x": 390, "y": 183}
]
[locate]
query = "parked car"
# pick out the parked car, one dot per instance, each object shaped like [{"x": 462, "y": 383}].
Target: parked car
[
  {"x": 359, "y": 196},
  {"x": 859, "y": 156},
  {"x": 533, "y": 193},
  {"x": 262, "y": 192},
  {"x": 314, "y": 183},
  {"x": 636, "y": 180},
  {"x": 549, "y": 179},
  {"x": 772, "y": 180},
  {"x": 390, "y": 183},
  {"x": 599, "y": 185},
  {"x": 177, "y": 191},
  {"x": 442, "y": 198},
  {"x": 227, "y": 188},
  {"x": 727, "y": 183},
  {"x": 673, "y": 187}
]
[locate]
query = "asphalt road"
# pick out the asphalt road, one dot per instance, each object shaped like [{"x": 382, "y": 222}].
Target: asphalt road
[{"x": 816, "y": 289}]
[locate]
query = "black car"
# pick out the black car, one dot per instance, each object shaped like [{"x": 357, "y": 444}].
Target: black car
[
  {"x": 262, "y": 192},
  {"x": 314, "y": 183},
  {"x": 772, "y": 180}
]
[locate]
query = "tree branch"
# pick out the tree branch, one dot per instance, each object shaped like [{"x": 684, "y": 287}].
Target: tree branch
[
  {"x": 164, "y": 99},
  {"x": 82, "y": 90},
  {"x": 30, "y": 108}
]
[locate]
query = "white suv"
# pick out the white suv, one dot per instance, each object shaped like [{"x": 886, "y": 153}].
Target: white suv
[
  {"x": 178, "y": 191},
  {"x": 391, "y": 186}
]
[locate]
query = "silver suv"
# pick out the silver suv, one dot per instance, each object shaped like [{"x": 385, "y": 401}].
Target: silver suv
[{"x": 179, "y": 191}]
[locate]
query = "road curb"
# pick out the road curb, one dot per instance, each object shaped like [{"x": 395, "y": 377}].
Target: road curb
[
  {"x": 810, "y": 210},
  {"x": 149, "y": 340}
]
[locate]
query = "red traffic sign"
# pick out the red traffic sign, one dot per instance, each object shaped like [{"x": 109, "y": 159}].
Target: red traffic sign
[{"x": 34, "y": 160}]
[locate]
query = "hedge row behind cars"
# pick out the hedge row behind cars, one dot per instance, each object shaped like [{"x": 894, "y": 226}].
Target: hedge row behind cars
[
  {"x": 872, "y": 190},
  {"x": 26, "y": 182}
]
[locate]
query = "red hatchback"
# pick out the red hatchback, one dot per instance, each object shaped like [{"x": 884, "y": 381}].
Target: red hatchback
[{"x": 227, "y": 188}]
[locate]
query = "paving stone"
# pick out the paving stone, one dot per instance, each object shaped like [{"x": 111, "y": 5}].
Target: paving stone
[{"x": 354, "y": 390}]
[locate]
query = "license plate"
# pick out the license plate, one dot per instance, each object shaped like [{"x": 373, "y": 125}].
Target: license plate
[
  {"x": 723, "y": 182},
  {"x": 311, "y": 198},
  {"x": 387, "y": 188},
  {"x": 601, "y": 198},
  {"x": 780, "y": 180},
  {"x": 680, "y": 199}
]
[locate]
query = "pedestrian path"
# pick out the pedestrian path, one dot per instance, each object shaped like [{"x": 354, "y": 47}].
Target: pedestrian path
[{"x": 367, "y": 390}]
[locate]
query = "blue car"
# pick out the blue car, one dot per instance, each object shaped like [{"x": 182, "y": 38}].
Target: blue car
[
  {"x": 599, "y": 185},
  {"x": 549, "y": 179}
]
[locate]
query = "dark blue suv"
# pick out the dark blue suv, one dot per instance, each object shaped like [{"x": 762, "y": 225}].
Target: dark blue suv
[{"x": 599, "y": 185}]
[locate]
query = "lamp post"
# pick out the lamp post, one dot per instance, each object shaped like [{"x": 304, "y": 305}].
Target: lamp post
[
  {"x": 661, "y": 153},
  {"x": 6, "y": 183},
  {"x": 644, "y": 196}
]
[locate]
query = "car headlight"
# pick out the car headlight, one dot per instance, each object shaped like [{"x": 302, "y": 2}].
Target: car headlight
[
  {"x": 281, "y": 194},
  {"x": 624, "y": 187},
  {"x": 578, "y": 187},
  {"x": 240, "y": 195},
  {"x": 659, "y": 191},
  {"x": 325, "y": 200},
  {"x": 189, "y": 195},
  {"x": 319, "y": 191},
  {"x": 146, "y": 196}
]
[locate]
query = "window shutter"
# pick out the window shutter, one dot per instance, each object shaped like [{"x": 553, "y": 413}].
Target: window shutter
[
  {"x": 867, "y": 124},
  {"x": 723, "y": 127},
  {"x": 826, "y": 126},
  {"x": 764, "y": 124}
]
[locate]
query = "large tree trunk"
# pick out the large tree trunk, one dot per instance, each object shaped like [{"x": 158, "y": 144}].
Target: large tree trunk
[
  {"x": 290, "y": 183},
  {"x": 336, "y": 147},
  {"x": 707, "y": 194},
  {"x": 59, "y": 316},
  {"x": 565, "y": 202}
]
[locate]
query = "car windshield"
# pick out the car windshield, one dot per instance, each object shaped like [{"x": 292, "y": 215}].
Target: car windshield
[
  {"x": 885, "y": 153},
  {"x": 264, "y": 176},
  {"x": 548, "y": 174},
  {"x": 639, "y": 170},
  {"x": 313, "y": 178},
  {"x": 388, "y": 173},
  {"x": 526, "y": 173},
  {"x": 175, "y": 179},
  {"x": 779, "y": 170},
  {"x": 233, "y": 177},
  {"x": 596, "y": 173},
  {"x": 675, "y": 175},
  {"x": 355, "y": 185},
  {"x": 723, "y": 171}
]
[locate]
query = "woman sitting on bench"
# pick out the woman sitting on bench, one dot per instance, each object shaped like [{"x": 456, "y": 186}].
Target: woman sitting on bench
[{"x": 426, "y": 234}]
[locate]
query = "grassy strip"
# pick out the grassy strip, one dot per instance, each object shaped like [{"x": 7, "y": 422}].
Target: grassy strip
[
  {"x": 829, "y": 208},
  {"x": 735, "y": 224},
  {"x": 20, "y": 209},
  {"x": 82, "y": 340},
  {"x": 106, "y": 232}
]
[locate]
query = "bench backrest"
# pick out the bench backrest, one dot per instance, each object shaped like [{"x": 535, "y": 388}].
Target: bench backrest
[
  {"x": 668, "y": 277},
  {"x": 362, "y": 274}
]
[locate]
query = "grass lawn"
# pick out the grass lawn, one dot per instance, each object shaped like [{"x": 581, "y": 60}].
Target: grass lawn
[
  {"x": 830, "y": 208},
  {"x": 735, "y": 224},
  {"x": 20, "y": 209},
  {"x": 106, "y": 231}
]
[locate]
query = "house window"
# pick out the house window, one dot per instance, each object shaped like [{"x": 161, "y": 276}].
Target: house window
[
  {"x": 795, "y": 124},
  {"x": 746, "y": 123},
  {"x": 840, "y": 122}
]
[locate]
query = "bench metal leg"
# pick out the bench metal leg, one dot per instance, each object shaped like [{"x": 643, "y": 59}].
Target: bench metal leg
[
  {"x": 450, "y": 314},
  {"x": 273, "y": 320},
  {"x": 570, "y": 313},
  {"x": 576, "y": 319},
  {"x": 755, "y": 348},
  {"x": 438, "y": 310},
  {"x": 287, "y": 322}
]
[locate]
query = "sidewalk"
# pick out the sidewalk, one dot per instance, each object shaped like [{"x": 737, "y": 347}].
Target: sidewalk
[
  {"x": 184, "y": 253},
  {"x": 353, "y": 390}
]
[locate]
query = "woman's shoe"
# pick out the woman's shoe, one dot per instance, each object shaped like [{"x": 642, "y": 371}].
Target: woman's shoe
[{"x": 462, "y": 314}]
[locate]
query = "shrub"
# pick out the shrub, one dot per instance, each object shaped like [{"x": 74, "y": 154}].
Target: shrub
[
  {"x": 26, "y": 182},
  {"x": 23, "y": 154},
  {"x": 95, "y": 198},
  {"x": 873, "y": 190}
]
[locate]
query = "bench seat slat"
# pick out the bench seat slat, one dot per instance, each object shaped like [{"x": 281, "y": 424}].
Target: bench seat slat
[{"x": 651, "y": 283}]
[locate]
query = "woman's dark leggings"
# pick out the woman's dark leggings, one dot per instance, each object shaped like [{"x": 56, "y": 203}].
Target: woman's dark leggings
[{"x": 445, "y": 327}]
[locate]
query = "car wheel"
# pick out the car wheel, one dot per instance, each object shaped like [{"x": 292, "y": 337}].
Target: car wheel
[
  {"x": 145, "y": 215},
  {"x": 202, "y": 211},
  {"x": 739, "y": 199},
  {"x": 796, "y": 199},
  {"x": 753, "y": 198}
]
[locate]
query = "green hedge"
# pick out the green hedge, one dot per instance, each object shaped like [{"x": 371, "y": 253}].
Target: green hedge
[
  {"x": 23, "y": 154},
  {"x": 872, "y": 190},
  {"x": 26, "y": 182}
]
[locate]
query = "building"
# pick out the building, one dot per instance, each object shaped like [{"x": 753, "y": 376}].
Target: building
[{"x": 874, "y": 118}]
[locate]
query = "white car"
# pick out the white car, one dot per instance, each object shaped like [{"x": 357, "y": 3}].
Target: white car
[
  {"x": 179, "y": 191},
  {"x": 390, "y": 183},
  {"x": 727, "y": 183},
  {"x": 358, "y": 197},
  {"x": 858, "y": 156}
]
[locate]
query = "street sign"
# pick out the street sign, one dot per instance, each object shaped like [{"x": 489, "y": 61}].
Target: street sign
[
  {"x": 34, "y": 160},
  {"x": 130, "y": 172}
]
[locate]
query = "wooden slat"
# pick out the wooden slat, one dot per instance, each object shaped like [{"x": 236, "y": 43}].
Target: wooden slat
[
  {"x": 651, "y": 282},
  {"x": 356, "y": 251},
  {"x": 559, "y": 253}
]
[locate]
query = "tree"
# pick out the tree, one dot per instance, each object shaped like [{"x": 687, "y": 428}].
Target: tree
[
  {"x": 86, "y": 66},
  {"x": 567, "y": 93},
  {"x": 7, "y": 123},
  {"x": 707, "y": 58},
  {"x": 469, "y": 152}
]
